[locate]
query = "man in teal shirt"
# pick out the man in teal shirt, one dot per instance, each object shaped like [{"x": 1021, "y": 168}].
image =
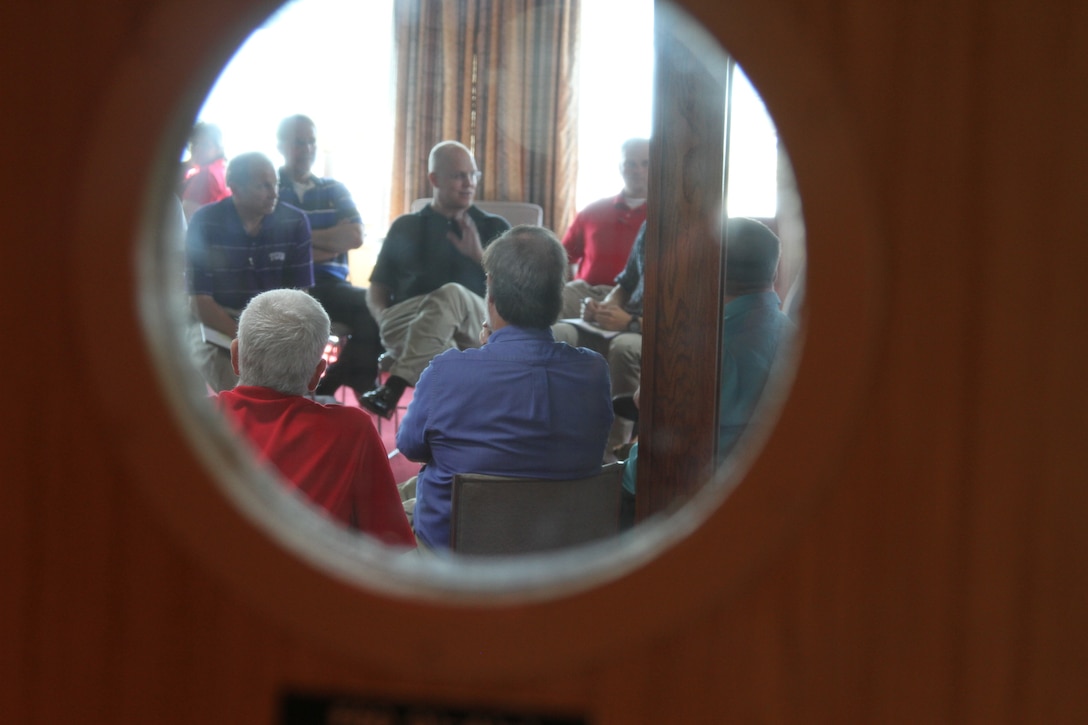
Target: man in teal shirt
[{"x": 753, "y": 334}]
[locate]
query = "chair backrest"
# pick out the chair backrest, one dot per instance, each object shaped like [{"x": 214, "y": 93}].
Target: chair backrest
[
  {"x": 504, "y": 515},
  {"x": 515, "y": 212}
]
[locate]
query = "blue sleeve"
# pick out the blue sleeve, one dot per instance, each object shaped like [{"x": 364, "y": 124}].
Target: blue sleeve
[
  {"x": 345, "y": 205},
  {"x": 299, "y": 268},
  {"x": 412, "y": 433},
  {"x": 198, "y": 278},
  {"x": 339, "y": 206}
]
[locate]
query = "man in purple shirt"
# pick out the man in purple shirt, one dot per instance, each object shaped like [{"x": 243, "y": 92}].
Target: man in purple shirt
[
  {"x": 237, "y": 248},
  {"x": 523, "y": 404}
]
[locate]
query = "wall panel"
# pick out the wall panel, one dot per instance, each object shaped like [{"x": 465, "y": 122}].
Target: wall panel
[{"x": 915, "y": 554}]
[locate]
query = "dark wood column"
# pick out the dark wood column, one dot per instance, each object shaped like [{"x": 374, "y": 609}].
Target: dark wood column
[{"x": 683, "y": 262}]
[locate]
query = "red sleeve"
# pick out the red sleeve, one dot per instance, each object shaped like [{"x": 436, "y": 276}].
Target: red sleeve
[
  {"x": 204, "y": 188},
  {"x": 375, "y": 499},
  {"x": 574, "y": 241}
]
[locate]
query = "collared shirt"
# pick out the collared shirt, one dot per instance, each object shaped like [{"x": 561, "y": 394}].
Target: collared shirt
[
  {"x": 206, "y": 184},
  {"x": 522, "y": 405},
  {"x": 632, "y": 279},
  {"x": 330, "y": 453},
  {"x": 326, "y": 203},
  {"x": 234, "y": 267},
  {"x": 599, "y": 239},
  {"x": 417, "y": 257},
  {"x": 754, "y": 331}
]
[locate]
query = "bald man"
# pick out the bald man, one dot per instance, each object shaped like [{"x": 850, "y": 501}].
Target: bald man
[
  {"x": 237, "y": 248},
  {"x": 427, "y": 289}
]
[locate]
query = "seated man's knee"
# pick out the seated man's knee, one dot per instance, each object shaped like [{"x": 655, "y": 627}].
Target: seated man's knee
[
  {"x": 625, "y": 348},
  {"x": 565, "y": 332},
  {"x": 451, "y": 291}
]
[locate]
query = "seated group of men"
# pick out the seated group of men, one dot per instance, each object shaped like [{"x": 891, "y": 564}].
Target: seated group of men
[{"x": 465, "y": 307}]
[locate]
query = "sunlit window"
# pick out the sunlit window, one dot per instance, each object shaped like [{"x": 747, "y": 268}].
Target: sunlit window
[
  {"x": 346, "y": 85},
  {"x": 331, "y": 60}
]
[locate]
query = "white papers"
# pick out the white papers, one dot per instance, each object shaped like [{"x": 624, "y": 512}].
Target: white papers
[
  {"x": 214, "y": 337},
  {"x": 590, "y": 327}
]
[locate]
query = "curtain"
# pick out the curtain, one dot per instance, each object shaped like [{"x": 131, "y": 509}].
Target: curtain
[{"x": 498, "y": 76}]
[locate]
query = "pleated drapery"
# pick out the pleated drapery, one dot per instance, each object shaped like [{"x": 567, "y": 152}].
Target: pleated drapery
[{"x": 499, "y": 76}]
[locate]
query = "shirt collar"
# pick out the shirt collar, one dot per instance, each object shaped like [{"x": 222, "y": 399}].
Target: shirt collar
[
  {"x": 287, "y": 180},
  {"x": 511, "y": 333},
  {"x": 260, "y": 393}
]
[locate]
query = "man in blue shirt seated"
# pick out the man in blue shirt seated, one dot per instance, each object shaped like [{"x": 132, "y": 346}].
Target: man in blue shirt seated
[{"x": 523, "y": 404}]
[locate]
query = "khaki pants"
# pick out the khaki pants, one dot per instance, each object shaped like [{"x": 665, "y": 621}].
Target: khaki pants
[
  {"x": 577, "y": 290},
  {"x": 417, "y": 329},
  {"x": 212, "y": 361}
]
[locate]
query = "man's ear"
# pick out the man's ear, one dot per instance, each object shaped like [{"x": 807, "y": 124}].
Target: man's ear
[
  {"x": 234, "y": 355},
  {"x": 318, "y": 372},
  {"x": 433, "y": 178}
]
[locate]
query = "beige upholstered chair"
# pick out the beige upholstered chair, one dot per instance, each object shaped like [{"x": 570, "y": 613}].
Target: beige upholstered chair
[
  {"x": 494, "y": 515},
  {"x": 515, "y": 212}
]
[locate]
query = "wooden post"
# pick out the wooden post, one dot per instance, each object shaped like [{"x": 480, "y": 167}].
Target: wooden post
[{"x": 683, "y": 266}]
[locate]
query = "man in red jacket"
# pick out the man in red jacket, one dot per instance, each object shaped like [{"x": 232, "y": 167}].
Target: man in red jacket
[{"x": 331, "y": 454}]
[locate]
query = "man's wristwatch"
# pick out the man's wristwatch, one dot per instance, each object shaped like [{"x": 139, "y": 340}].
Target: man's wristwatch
[{"x": 635, "y": 325}]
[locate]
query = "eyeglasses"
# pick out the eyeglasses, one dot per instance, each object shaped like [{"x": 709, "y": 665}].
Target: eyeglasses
[{"x": 474, "y": 176}]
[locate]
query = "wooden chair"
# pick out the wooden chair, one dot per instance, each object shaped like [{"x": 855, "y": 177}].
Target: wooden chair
[{"x": 495, "y": 515}]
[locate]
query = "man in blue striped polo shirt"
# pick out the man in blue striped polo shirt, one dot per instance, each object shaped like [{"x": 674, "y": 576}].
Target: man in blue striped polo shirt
[{"x": 237, "y": 248}]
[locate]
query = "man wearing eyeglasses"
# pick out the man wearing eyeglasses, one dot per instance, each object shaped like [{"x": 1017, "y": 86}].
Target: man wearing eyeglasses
[{"x": 427, "y": 289}]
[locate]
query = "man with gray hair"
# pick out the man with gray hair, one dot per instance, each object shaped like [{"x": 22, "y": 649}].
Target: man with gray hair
[
  {"x": 332, "y": 454},
  {"x": 523, "y": 404},
  {"x": 427, "y": 287}
]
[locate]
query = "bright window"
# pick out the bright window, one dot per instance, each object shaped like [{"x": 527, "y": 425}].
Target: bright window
[{"x": 333, "y": 61}]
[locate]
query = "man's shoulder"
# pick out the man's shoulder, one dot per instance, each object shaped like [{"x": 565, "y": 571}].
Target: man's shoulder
[
  {"x": 285, "y": 213},
  {"x": 325, "y": 182},
  {"x": 215, "y": 211},
  {"x": 492, "y": 224},
  {"x": 346, "y": 419},
  {"x": 609, "y": 202},
  {"x": 582, "y": 355},
  {"x": 410, "y": 223},
  {"x": 329, "y": 186}
]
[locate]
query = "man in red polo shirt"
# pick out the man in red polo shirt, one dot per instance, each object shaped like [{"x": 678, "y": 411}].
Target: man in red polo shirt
[
  {"x": 330, "y": 453},
  {"x": 599, "y": 240}
]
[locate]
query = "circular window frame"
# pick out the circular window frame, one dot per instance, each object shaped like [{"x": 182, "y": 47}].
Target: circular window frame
[{"x": 401, "y": 615}]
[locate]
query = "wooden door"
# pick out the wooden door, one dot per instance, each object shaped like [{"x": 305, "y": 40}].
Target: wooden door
[{"x": 908, "y": 546}]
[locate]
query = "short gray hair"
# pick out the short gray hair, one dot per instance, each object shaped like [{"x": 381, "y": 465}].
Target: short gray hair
[
  {"x": 281, "y": 337},
  {"x": 526, "y": 271},
  {"x": 751, "y": 256}
]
